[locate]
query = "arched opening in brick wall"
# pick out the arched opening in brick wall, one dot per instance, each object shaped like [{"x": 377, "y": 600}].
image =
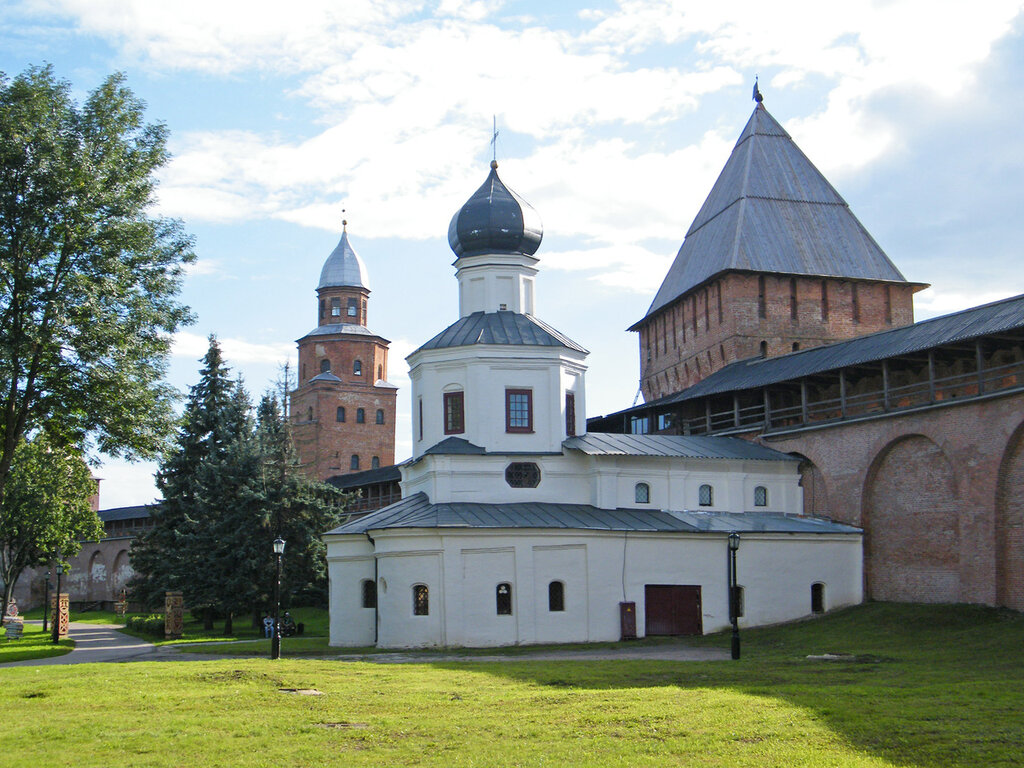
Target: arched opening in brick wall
[
  {"x": 1009, "y": 528},
  {"x": 813, "y": 482},
  {"x": 97, "y": 577},
  {"x": 122, "y": 573},
  {"x": 911, "y": 524}
]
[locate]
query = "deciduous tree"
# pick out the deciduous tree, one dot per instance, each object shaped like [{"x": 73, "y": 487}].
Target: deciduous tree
[
  {"x": 45, "y": 511},
  {"x": 88, "y": 275}
]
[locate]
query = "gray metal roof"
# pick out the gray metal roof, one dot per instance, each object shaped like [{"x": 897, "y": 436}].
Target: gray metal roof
[
  {"x": 687, "y": 446},
  {"x": 505, "y": 328},
  {"x": 341, "y": 328},
  {"x": 344, "y": 268},
  {"x": 326, "y": 376},
  {"x": 495, "y": 220},
  {"x": 388, "y": 474},
  {"x": 771, "y": 210},
  {"x": 997, "y": 317},
  {"x": 417, "y": 512},
  {"x": 138, "y": 512},
  {"x": 455, "y": 446}
]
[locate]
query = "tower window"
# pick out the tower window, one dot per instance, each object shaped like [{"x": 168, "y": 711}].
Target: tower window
[
  {"x": 335, "y": 307},
  {"x": 522, "y": 474},
  {"x": 339, "y": 415},
  {"x": 570, "y": 414},
  {"x": 503, "y": 599},
  {"x": 518, "y": 410},
  {"x": 353, "y": 463},
  {"x": 325, "y": 366},
  {"x": 357, "y": 368},
  {"x": 855, "y": 301},
  {"x": 309, "y": 413},
  {"x": 420, "y": 600},
  {"x": 360, "y": 416},
  {"x": 642, "y": 493},
  {"x": 323, "y": 309},
  {"x": 353, "y": 307},
  {"x": 375, "y": 462},
  {"x": 762, "y": 303},
  {"x": 380, "y": 372},
  {"x": 764, "y": 349},
  {"x": 556, "y": 596},
  {"x": 380, "y": 415},
  {"x": 824, "y": 301},
  {"x": 706, "y": 496},
  {"x": 721, "y": 315},
  {"x": 760, "y": 496},
  {"x": 888, "y": 304},
  {"x": 454, "y": 413},
  {"x": 792, "y": 299}
]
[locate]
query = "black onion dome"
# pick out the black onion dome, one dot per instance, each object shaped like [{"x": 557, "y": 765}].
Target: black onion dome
[{"x": 495, "y": 220}]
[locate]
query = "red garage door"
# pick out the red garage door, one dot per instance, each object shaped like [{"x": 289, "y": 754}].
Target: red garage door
[{"x": 672, "y": 609}]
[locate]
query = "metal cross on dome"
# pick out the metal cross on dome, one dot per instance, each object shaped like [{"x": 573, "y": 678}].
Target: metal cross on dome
[{"x": 494, "y": 139}]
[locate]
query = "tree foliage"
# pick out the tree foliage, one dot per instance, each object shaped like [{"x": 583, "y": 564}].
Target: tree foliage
[
  {"x": 46, "y": 509},
  {"x": 88, "y": 278},
  {"x": 229, "y": 489}
]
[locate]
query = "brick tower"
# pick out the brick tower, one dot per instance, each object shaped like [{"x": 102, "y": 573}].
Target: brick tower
[
  {"x": 343, "y": 410},
  {"x": 774, "y": 262}
]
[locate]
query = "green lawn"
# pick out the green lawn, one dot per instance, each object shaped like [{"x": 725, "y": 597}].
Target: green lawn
[
  {"x": 929, "y": 686},
  {"x": 32, "y": 645}
]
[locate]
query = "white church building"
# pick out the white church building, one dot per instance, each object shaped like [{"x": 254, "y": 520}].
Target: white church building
[{"x": 516, "y": 526}]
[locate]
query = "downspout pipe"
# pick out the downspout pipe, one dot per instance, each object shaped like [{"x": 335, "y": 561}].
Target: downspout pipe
[{"x": 376, "y": 597}]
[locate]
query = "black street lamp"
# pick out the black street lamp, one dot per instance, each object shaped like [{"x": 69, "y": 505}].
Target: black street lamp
[
  {"x": 275, "y": 640},
  {"x": 46, "y": 601},
  {"x": 55, "y": 629},
  {"x": 734, "y": 594}
]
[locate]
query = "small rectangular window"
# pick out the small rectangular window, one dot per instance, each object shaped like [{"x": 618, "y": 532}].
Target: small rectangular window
[
  {"x": 705, "y": 496},
  {"x": 518, "y": 410},
  {"x": 570, "y": 414},
  {"x": 353, "y": 307},
  {"x": 335, "y": 307},
  {"x": 420, "y": 600},
  {"x": 454, "y": 413}
]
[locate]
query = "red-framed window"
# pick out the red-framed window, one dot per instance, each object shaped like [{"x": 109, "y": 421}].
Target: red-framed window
[
  {"x": 570, "y": 414},
  {"x": 518, "y": 410},
  {"x": 454, "y": 413}
]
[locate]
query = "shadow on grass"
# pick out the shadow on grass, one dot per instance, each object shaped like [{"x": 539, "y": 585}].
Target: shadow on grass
[{"x": 930, "y": 686}]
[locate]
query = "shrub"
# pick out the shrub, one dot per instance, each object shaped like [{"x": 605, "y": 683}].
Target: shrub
[{"x": 152, "y": 624}]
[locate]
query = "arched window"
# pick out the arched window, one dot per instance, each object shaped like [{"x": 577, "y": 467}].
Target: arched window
[
  {"x": 764, "y": 349},
  {"x": 369, "y": 594},
  {"x": 706, "y": 495},
  {"x": 353, "y": 463},
  {"x": 375, "y": 462},
  {"x": 380, "y": 371},
  {"x": 325, "y": 366},
  {"x": 556, "y": 596},
  {"x": 339, "y": 415},
  {"x": 380, "y": 415},
  {"x": 357, "y": 368},
  {"x": 642, "y": 493},
  {"x": 760, "y": 496},
  {"x": 360, "y": 416},
  {"x": 309, "y": 414},
  {"x": 420, "y": 600},
  {"x": 322, "y": 308},
  {"x": 817, "y": 597},
  {"x": 503, "y": 599}
]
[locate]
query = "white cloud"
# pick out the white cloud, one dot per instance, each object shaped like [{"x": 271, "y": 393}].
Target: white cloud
[
  {"x": 630, "y": 268},
  {"x": 933, "y": 303},
  {"x": 236, "y": 351}
]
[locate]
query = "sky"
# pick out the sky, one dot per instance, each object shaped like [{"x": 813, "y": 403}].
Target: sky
[{"x": 613, "y": 118}]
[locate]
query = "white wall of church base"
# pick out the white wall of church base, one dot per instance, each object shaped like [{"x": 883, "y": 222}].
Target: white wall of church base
[{"x": 462, "y": 571}]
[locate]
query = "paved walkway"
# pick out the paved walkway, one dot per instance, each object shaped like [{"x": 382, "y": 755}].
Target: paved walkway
[
  {"x": 103, "y": 643},
  {"x": 96, "y": 642}
]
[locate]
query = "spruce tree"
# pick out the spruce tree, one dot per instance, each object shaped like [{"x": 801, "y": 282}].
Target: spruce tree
[{"x": 173, "y": 554}]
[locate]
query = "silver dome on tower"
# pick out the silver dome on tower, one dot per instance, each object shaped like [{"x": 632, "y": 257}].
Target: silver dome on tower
[
  {"x": 495, "y": 220},
  {"x": 343, "y": 267}
]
